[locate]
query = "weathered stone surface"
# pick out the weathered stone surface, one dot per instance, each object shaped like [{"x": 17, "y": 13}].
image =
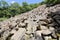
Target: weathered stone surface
[
  {"x": 26, "y": 25},
  {"x": 19, "y": 34}
]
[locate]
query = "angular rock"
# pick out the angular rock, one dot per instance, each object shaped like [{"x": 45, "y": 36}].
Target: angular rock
[
  {"x": 19, "y": 34},
  {"x": 29, "y": 23}
]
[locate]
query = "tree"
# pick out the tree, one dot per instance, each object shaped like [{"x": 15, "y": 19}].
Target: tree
[
  {"x": 41, "y": 3},
  {"x": 25, "y": 4},
  {"x": 0, "y": 3},
  {"x": 52, "y": 2},
  {"x": 34, "y": 5},
  {"x": 14, "y": 9},
  {"x": 3, "y": 8},
  {"x": 7, "y": 11},
  {"x": 26, "y": 7},
  {"x": 15, "y": 5},
  {"x": 4, "y": 4}
]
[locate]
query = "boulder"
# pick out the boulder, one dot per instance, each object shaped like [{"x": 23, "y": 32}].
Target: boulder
[{"x": 19, "y": 34}]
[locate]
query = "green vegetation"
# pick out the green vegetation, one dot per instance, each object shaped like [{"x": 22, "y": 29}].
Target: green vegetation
[
  {"x": 2, "y": 19},
  {"x": 51, "y": 2},
  {"x": 7, "y": 11}
]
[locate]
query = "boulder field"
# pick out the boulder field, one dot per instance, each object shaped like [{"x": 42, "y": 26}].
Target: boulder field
[{"x": 32, "y": 25}]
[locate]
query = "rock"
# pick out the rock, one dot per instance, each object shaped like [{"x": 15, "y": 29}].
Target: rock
[
  {"x": 47, "y": 38},
  {"x": 5, "y": 34},
  {"x": 38, "y": 35},
  {"x": 51, "y": 29},
  {"x": 46, "y": 32},
  {"x": 39, "y": 20},
  {"x": 43, "y": 27},
  {"x": 19, "y": 34},
  {"x": 31, "y": 27},
  {"x": 22, "y": 25}
]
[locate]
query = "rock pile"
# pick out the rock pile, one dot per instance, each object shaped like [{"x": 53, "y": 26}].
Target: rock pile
[{"x": 30, "y": 25}]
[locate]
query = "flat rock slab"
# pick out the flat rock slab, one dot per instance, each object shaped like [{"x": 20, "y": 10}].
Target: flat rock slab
[{"x": 19, "y": 34}]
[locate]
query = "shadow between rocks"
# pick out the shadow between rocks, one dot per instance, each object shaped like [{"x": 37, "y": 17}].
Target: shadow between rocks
[{"x": 55, "y": 20}]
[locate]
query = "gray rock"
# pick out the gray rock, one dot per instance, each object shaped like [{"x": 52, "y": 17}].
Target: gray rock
[
  {"x": 29, "y": 23},
  {"x": 19, "y": 34}
]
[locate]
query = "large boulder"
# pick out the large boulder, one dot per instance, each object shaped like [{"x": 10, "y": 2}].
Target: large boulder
[{"x": 19, "y": 34}]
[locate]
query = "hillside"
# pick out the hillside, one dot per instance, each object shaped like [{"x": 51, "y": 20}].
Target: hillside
[{"x": 31, "y": 25}]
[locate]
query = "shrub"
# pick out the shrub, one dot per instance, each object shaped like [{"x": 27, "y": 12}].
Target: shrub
[{"x": 51, "y": 2}]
